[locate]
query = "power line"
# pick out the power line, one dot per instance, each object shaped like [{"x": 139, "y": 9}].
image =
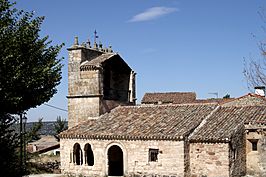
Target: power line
[{"x": 55, "y": 107}]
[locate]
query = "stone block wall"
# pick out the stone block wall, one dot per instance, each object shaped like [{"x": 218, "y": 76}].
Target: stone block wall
[
  {"x": 74, "y": 60},
  {"x": 90, "y": 83},
  {"x": 209, "y": 159},
  {"x": 81, "y": 109},
  {"x": 84, "y": 88},
  {"x": 237, "y": 153},
  {"x": 256, "y": 159},
  {"x": 135, "y": 157}
]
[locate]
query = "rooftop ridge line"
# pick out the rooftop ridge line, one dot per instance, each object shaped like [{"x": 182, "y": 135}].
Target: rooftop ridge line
[
  {"x": 203, "y": 122},
  {"x": 167, "y": 105}
]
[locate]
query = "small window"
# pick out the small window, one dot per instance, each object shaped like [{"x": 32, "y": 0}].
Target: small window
[
  {"x": 153, "y": 155},
  {"x": 254, "y": 145}
]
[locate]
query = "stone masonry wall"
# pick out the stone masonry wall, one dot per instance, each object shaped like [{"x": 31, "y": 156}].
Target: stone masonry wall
[
  {"x": 82, "y": 109},
  {"x": 135, "y": 157},
  {"x": 84, "y": 89},
  {"x": 256, "y": 159},
  {"x": 237, "y": 153},
  {"x": 209, "y": 160},
  {"x": 90, "y": 83},
  {"x": 74, "y": 59}
]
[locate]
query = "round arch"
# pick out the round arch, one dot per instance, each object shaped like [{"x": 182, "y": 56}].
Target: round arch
[
  {"x": 77, "y": 154},
  {"x": 89, "y": 157},
  {"x": 116, "y": 159}
]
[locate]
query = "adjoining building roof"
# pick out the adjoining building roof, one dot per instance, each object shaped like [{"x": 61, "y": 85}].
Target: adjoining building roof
[
  {"x": 222, "y": 123},
  {"x": 169, "y": 97},
  {"x": 250, "y": 99},
  {"x": 150, "y": 122},
  {"x": 46, "y": 143},
  {"x": 214, "y": 100}
]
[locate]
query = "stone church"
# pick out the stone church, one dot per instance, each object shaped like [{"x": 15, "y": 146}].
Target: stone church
[{"x": 168, "y": 135}]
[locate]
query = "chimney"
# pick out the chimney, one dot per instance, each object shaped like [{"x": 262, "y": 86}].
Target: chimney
[{"x": 260, "y": 90}]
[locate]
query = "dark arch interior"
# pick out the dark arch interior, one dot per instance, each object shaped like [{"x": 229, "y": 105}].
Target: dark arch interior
[
  {"x": 116, "y": 79},
  {"x": 77, "y": 153},
  {"x": 115, "y": 161},
  {"x": 89, "y": 157}
]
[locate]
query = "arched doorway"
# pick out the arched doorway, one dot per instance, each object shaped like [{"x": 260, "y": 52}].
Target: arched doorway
[{"x": 115, "y": 161}]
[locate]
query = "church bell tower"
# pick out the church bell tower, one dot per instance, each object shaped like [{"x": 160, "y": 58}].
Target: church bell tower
[{"x": 98, "y": 81}]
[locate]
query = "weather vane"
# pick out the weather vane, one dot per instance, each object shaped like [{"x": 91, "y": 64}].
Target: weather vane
[{"x": 95, "y": 36}]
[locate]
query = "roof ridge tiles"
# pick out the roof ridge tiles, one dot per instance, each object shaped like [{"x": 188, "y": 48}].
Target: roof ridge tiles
[
  {"x": 167, "y": 92},
  {"x": 203, "y": 122},
  {"x": 166, "y": 105}
]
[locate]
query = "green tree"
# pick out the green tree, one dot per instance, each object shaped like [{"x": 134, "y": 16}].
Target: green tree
[
  {"x": 59, "y": 126},
  {"x": 29, "y": 74},
  {"x": 33, "y": 134},
  {"x": 226, "y": 96},
  {"x": 9, "y": 155},
  {"x": 29, "y": 68}
]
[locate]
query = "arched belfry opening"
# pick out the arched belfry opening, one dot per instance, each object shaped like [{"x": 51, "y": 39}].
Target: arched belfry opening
[
  {"x": 115, "y": 161},
  {"x": 89, "y": 157},
  {"x": 116, "y": 79},
  {"x": 77, "y": 155}
]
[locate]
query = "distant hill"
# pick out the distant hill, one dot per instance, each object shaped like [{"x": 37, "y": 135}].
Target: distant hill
[{"x": 47, "y": 128}]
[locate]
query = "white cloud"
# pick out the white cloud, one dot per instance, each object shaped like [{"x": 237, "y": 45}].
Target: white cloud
[{"x": 152, "y": 13}]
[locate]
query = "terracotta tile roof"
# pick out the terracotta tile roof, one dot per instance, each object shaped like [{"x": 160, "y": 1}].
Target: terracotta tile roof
[
  {"x": 100, "y": 59},
  {"x": 169, "y": 97},
  {"x": 160, "y": 122},
  {"x": 223, "y": 122},
  {"x": 46, "y": 142},
  {"x": 214, "y": 100},
  {"x": 98, "y": 62},
  {"x": 46, "y": 149},
  {"x": 250, "y": 99}
]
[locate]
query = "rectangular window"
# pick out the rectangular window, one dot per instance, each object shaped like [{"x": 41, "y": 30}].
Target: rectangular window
[
  {"x": 153, "y": 155},
  {"x": 254, "y": 145}
]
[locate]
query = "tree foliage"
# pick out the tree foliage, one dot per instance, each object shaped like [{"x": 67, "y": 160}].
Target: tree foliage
[
  {"x": 9, "y": 157},
  {"x": 29, "y": 68},
  {"x": 60, "y": 125},
  {"x": 255, "y": 69},
  {"x": 33, "y": 134},
  {"x": 29, "y": 74},
  {"x": 226, "y": 96}
]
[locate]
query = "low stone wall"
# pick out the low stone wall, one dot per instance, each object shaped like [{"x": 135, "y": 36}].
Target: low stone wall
[{"x": 48, "y": 167}]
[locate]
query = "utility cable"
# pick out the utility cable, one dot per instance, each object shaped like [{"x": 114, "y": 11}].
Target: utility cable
[{"x": 55, "y": 107}]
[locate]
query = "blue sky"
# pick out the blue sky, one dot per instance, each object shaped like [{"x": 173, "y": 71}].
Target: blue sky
[{"x": 173, "y": 45}]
